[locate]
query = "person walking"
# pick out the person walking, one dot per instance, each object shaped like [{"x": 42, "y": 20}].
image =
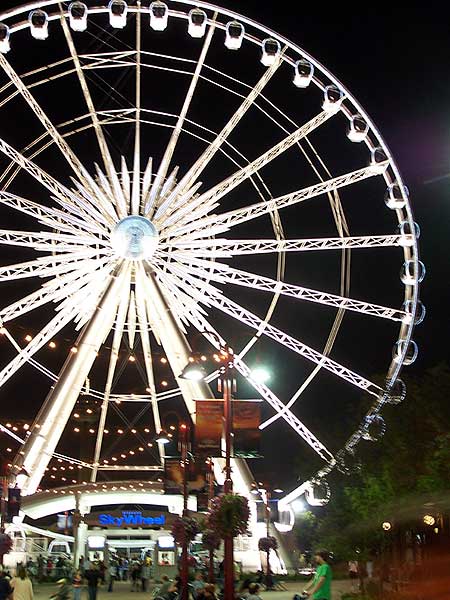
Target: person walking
[
  {"x": 77, "y": 584},
  {"x": 21, "y": 586},
  {"x": 63, "y": 592},
  {"x": 145, "y": 574},
  {"x": 92, "y": 576},
  {"x": 320, "y": 586},
  {"x": 5, "y": 587}
]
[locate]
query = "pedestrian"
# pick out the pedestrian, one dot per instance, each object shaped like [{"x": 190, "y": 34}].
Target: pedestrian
[
  {"x": 353, "y": 573},
  {"x": 21, "y": 585},
  {"x": 135, "y": 576},
  {"x": 112, "y": 574},
  {"x": 5, "y": 587},
  {"x": 166, "y": 589},
  {"x": 320, "y": 586},
  {"x": 77, "y": 584},
  {"x": 93, "y": 576},
  {"x": 145, "y": 574},
  {"x": 63, "y": 592},
  {"x": 253, "y": 592},
  {"x": 198, "y": 585}
]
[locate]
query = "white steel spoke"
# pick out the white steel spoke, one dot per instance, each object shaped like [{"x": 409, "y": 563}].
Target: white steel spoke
[
  {"x": 136, "y": 188},
  {"x": 52, "y": 291},
  {"x": 225, "y": 274},
  {"x": 114, "y": 357},
  {"x": 60, "y": 191},
  {"x": 60, "y": 142},
  {"x": 165, "y": 163},
  {"x": 54, "y": 242},
  {"x": 217, "y": 248},
  {"x": 195, "y": 171},
  {"x": 218, "y": 300},
  {"x": 248, "y": 318},
  {"x": 62, "y": 318},
  {"x": 47, "y": 266},
  {"x": 147, "y": 352},
  {"x": 223, "y": 188},
  {"x": 229, "y": 219}
]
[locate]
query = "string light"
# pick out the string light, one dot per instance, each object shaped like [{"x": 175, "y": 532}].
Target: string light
[
  {"x": 132, "y": 358},
  {"x": 163, "y": 360},
  {"x": 52, "y": 345},
  {"x": 28, "y": 338},
  {"x": 74, "y": 349},
  {"x": 164, "y": 383}
]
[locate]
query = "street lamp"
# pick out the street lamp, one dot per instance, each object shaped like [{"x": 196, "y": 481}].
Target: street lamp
[
  {"x": 226, "y": 384},
  {"x": 260, "y": 375},
  {"x": 163, "y": 437}
]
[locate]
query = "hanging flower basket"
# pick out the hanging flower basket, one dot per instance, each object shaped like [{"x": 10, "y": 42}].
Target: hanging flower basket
[
  {"x": 229, "y": 515},
  {"x": 6, "y": 544},
  {"x": 211, "y": 540},
  {"x": 184, "y": 530},
  {"x": 266, "y": 544}
]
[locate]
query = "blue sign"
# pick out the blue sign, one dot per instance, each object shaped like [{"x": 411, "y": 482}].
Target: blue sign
[{"x": 131, "y": 519}]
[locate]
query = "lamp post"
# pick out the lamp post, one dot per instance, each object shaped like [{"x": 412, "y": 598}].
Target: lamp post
[
  {"x": 210, "y": 482},
  {"x": 183, "y": 446},
  {"x": 184, "y": 442},
  {"x": 195, "y": 371}
]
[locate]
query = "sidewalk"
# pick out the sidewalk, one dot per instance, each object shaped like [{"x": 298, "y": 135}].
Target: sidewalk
[{"x": 122, "y": 591}]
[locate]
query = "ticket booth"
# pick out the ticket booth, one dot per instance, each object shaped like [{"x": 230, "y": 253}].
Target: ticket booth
[{"x": 166, "y": 557}]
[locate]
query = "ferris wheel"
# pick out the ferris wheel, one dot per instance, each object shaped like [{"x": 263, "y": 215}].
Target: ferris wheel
[{"x": 182, "y": 171}]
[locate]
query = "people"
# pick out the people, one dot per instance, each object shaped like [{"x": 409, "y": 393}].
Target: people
[
  {"x": 93, "y": 576},
  {"x": 353, "y": 573},
  {"x": 5, "y": 587},
  {"x": 208, "y": 592},
  {"x": 320, "y": 586},
  {"x": 253, "y": 592},
  {"x": 198, "y": 584},
  {"x": 77, "y": 583},
  {"x": 112, "y": 575},
  {"x": 145, "y": 574},
  {"x": 21, "y": 585},
  {"x": 135, "y": 576},
  {"x": 166, "y": 589},
  {"x": 63, "y": 592}
]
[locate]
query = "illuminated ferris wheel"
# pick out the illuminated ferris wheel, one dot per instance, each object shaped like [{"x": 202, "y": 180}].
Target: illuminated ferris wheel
[{"x": 181, "y": 170}]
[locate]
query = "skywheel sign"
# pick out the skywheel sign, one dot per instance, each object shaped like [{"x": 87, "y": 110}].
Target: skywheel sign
[{"x": 130, "y": 519}]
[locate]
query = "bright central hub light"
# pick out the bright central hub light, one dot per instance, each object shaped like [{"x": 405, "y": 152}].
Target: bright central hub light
[{"x": 134, "y": 238}]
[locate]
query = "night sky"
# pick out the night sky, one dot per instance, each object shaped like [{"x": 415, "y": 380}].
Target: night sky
[{"x": 396, "y": 65}]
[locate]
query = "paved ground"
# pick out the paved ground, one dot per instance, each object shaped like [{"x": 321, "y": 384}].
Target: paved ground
[{"x": 122, "y": 592}]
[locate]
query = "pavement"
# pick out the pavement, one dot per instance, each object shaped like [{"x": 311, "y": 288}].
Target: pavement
[{"x": 122, "y": 591}]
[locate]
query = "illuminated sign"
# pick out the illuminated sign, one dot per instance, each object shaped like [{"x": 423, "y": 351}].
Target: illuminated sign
[{"x": 131, "y": 519}]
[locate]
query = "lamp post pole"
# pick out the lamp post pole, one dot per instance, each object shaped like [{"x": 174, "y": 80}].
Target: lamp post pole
[
  {"x": 210, "y": 474},
  {"x": 184, "y": 551},
  {"x": 227, "y": 385}
]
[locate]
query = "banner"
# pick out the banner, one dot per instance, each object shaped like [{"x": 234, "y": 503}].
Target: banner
[
  {"x": 173, "y": 475},
  {"x": 208, "y": 427},
  {"x": 14, "y": 499},
  {"x": 246, "y": 422}
]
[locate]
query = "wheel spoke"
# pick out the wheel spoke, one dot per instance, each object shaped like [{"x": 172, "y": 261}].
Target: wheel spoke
[
  {"x": 114, "y": 357},
  {"x": 212, "y": 196},
  {"x": 147, "y": 352},
  {"x": 47, "y": 266},
  {"x": 54, "y": 242},
  {"x": 167, "y": 158},
  {"x": 195, "y": 171},
  {"x": 62, "y": 318},
  {"x": 219, "y": 223},
  {"x": 225, "y": 274},
  {"x": 222, "y": 248},
  {"x": 52, "y": 291},
  {"x": 209, "y": 296},
  {"x": 60, "y": 142}
]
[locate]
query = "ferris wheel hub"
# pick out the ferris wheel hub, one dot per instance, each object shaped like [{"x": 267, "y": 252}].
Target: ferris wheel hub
[{"x": 134, "y": 238}]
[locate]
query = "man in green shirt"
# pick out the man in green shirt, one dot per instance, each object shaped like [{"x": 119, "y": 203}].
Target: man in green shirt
[{"x": 320, "y": 586}]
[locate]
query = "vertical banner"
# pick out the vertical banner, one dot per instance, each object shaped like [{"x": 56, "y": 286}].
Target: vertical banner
[
  {"x": 173, "y": 475},
  {"x": 208, "y": 427},
  {"x": 246, "y": 422},
  {"x": 14, "y": 499}
]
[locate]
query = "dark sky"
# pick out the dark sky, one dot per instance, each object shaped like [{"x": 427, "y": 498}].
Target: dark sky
[{"x": 396, "y": 64}]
